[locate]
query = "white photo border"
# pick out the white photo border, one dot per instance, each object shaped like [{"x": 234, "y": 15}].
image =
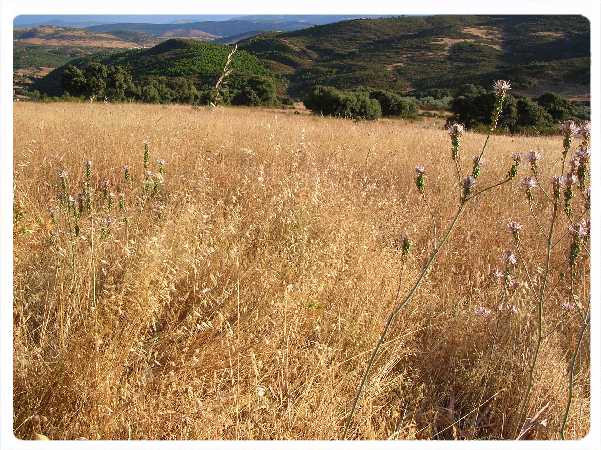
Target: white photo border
[{"x": 9, "y": 9}]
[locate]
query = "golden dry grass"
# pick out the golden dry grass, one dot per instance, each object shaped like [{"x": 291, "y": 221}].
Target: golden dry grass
[{"x": 242, "y": 300}]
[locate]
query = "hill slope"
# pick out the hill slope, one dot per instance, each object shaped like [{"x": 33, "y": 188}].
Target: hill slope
[
  {"x": 407, "y": 53},
  {"x": 183, "y": 58},
  {"x": 77, "y": 37}
]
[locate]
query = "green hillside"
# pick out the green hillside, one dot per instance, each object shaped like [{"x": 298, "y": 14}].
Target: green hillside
[
  {"x": 428, "y": 57},
  {"x": 194, "y": 61},
  {"x": 418, "y": 53},
  {"x": 25, "y": 56}
]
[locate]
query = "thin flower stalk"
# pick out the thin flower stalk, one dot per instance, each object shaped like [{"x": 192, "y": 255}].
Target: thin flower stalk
[
  {"x": 566, "y": 414},
  {"x": 466, "y": 196}
]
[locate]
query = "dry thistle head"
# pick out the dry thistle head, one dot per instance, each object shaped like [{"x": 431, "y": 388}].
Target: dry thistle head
[
  {"x": 126, "y": 175},
  {"x": 533, "y": 158},
  {"x": 468, "y": 184},
  {"x": 579, "y": 233},
  {"x": 568, "y": 194},
  {"x": 501, "y": 88},
  {"x": 406, "y": 245},
  {"x": 582, "y": 155},
  {"x": 161, "y": 164},
  {"x": 515, "y": 228},
  {"x": 146, "y": 155},
  {"x": 510, "y": 258},
  {"x": 557, "y": 185},
  {"x": 476, "y": 167},
  {"x": 587, "y": 199},
  {"x": 455, "y": 131},
  {"x": 513, "y": 170},
  {"x": 568, "y": 130},
  {"x": 580, "y": 229},
  {"x": 497, "y": 274},
  {"x": 584, "y": 132},
  {"x": 482, "y": 311},
  {"x": 529, "y": 183},
  {"x": 420, "y": 180},
  {"x": 567, "y": 306},
  {"x": 87, "y": 170},
  {"x": 63, "y": 175}
]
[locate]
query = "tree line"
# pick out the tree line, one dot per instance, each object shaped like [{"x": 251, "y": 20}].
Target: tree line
[
  {"x": 469, "y": 105},
  {"x": 116, "y": 83}
]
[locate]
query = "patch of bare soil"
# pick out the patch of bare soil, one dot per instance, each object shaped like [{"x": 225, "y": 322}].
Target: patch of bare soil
[
  {"x": 395, "y": 65},
  {"x": 551, "y": 34}
]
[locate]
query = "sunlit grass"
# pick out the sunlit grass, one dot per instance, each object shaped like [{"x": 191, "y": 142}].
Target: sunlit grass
[{"x": 232, "y": 283}]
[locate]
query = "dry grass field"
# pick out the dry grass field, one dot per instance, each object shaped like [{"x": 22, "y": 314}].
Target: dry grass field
[{"x": 239, "y": 294}]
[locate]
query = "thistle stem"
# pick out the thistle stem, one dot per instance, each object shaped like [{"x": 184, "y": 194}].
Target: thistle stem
[
  {"x": 422, "y": 274},
  {"x": 394, "y": 312},
  {"x": 571, "y": 380},
  {"x": 539, "y": 316}
]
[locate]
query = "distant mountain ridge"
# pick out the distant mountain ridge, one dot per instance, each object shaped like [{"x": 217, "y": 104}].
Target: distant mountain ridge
[
  {"x": 218, "y": 29},
  {"x": 74, "y": 20}
]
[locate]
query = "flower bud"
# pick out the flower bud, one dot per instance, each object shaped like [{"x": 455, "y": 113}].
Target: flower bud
[
  {"x": 515, "y": 228},
  {"x": 476, "y": 167},
  {"x": 455, "y": 131},
  {"x": 468, "y": 184},
  {"x": 529, "y": 183},
  {"x": 406, "y": 245},
  {"x": 420, "y": 180}
]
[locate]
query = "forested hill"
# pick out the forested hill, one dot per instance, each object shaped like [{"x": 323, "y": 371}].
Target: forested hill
[
  {"x": 176, "y": 70},
  {"x": 403, "y": 54}
]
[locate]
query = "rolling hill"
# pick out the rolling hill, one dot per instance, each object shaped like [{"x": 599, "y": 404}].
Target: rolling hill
[
  {"x": 407, "y": 55},
  {"x": 200, "y": 62},
  {"x": 52, "y": 46},
  {"x": 77, "y": 37},
  {"x": 417, "y": 53}
]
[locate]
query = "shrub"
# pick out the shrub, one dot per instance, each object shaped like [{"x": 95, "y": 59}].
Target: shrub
[
  {"x": 254, "y": 90},
  {"x": 519, "y": 114},
  {"x": 330, "y": 101},
  {"x": 558, "y": 107},
  {"x": 393, "y": 104},
  {"x": 531, "y": 115},
  {"x": 434, "y": 103},
  {"x": 358, "y": 105},
  {"x": 150, "y": 94},
  {"x": 74, "y": 81},
  {"x": 474, "y": 110},
  {"x": 99, "y": 80}
]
